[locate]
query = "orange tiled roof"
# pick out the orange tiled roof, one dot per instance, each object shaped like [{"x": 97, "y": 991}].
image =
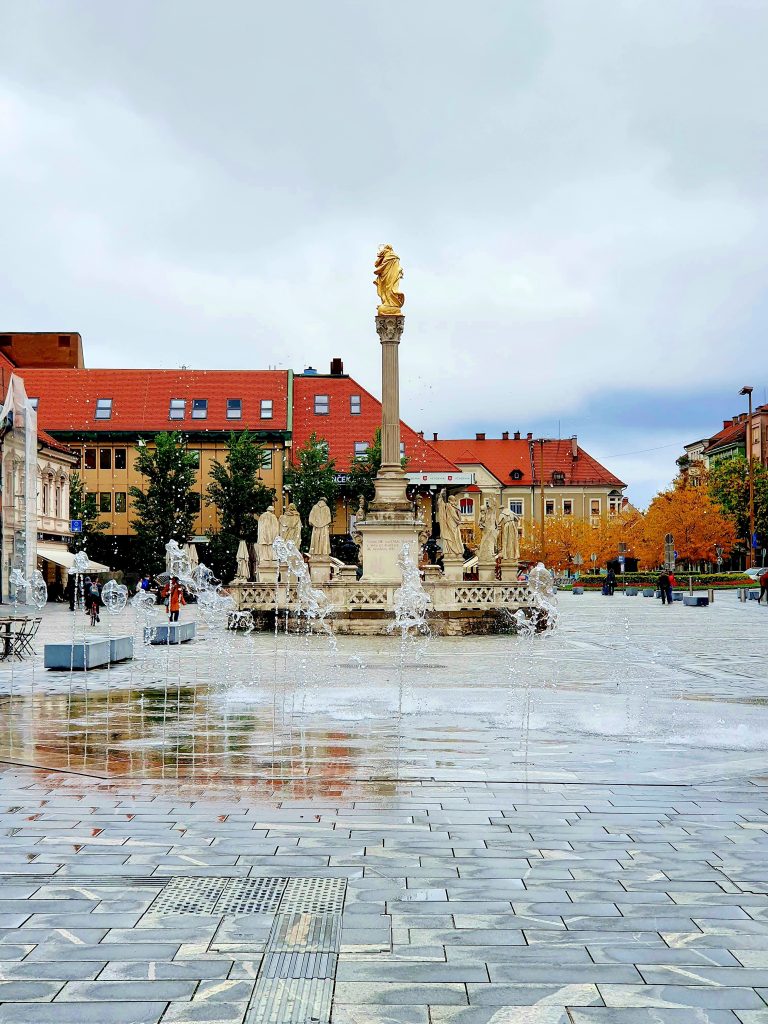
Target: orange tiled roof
[
  {"x": 341, "y": 429},
  {"x": 141, "y": 398},
  {"x": 502, "y": 456},
  {"x": 731, "y": 434},
  {"x": 50, "y": 442}
]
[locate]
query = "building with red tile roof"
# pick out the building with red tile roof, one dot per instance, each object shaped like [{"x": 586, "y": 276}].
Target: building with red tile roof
[{"x": 532, "y": 476}]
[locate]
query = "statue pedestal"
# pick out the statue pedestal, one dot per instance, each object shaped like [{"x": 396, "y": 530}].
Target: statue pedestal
[
  {"x": 320, "y": 569},
  {"x": 384, "y": 534},
  {"x": 267, "y": 572},
  {"x": 486, "y": 572},
  {"x": 453, "y": 567},
  {"x": 509, "y": 570}
]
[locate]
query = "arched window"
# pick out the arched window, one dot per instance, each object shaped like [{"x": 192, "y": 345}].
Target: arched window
[{"x": 467, "y": 506}]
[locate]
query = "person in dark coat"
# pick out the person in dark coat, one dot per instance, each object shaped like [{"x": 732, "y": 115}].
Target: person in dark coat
[
  {"x": 610, "y": 581},
  {"x": 763, "y": 588},
  {"x": 665, "y": 587}
]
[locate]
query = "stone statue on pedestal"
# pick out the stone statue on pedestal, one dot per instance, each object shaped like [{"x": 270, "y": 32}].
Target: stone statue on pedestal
[
  {"x": 320, "y": 521},
  {"x": 449, "y": 518},
  {"x": 509, "y": 536},
  {"x": 358, "y": 517},
  {"x": 388, "y": 276},
  {"x": 269, "y": 528},
  {"x": 489, "y": 523},
  {"x": 290, "y": 525}
]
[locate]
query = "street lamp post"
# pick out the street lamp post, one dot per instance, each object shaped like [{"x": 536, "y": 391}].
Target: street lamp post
[{"x": 748, "y": 392}]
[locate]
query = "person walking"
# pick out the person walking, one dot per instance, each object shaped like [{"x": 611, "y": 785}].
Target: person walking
[
  {"x": 173, "y": 593},
  {"x": 763, "y": 588},
  {"x": 93, "y": 600},
  {"x": 610, "y": 581},
  {"x": 665, "y": 587}
]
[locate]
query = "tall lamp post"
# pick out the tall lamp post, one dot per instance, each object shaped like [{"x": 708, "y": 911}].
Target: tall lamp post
[{"x": 748, "y": 392}]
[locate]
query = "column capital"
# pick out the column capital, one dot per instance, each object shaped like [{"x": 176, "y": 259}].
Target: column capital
[{"x": 390, "y": 329}]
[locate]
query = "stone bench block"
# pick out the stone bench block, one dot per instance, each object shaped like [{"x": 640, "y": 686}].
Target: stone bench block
[
  {"x": 677, "y": 595},
  {"x": 120, "y": 648},
  {"x": 631, "y": 591},
  {"x": 649, "y": 592},
  {"x": 696, "y": 600},
  {"x": 174, "y": 633},
  {"x": 83, "y": 654},
  {"x": 578, "y": 590}
]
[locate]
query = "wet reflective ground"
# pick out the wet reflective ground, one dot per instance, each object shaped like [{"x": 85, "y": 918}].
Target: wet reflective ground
[{"x": 627, "y": 690}]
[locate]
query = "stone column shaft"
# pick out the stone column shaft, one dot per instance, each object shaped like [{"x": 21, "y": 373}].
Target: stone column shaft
[{"x": 390, "y": 481}]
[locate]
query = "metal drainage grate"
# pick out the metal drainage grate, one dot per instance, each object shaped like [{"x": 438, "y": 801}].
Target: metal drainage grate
[
  {"x": 251, "y": 896},
  {"x": 290, "y": 1001},
  {"x": 189, "y": 896},
  {"x": 299, "y": 965},
  {"x": 305, "y": 933},
  {"x": 314, "y": 896}
]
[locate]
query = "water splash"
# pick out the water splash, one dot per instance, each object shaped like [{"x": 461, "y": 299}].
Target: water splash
[
  {"x": 411, "y": 599},
  {"x": 312, "y": 603}
]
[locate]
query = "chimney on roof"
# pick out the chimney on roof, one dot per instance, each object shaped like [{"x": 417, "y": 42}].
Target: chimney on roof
[
  {"x": 574, "y": 447},
  {"x": 505, "y": 435},
  {"x": 517, "y": 435},
  {"x": 337, "y": 367},
  {"x": 434, "y": 436},
  {"x": 529, "y": 436},
  {"x": 421, "y": 434},
  {"x": 479, "y": 437},
  {"x": 726, "y": 423}
]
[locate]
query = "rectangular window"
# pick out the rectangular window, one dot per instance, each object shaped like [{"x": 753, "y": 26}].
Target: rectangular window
[
  {"x": 194, "y": 501},
  {"x": 195, "y": 456},
  {"x": 361, "y": 447},
  {"x": 549, "y": 507},
  {"x": 354, "y": 405},
  {"x": 614, "y": 503},
  {"x": 90, "y": 503},
  {"x": 103, "y": 409},
  {"x": 515, "y": 507},
  {"x": 594, "y": 506},
  {"x": 322, "y": 405},
  {"x": 79, "y": 453},
  {"x": 177, "y": 409},
  {"x": 90, "y": 458},
  {"x": 266, "y": 408},
  {"x": 120, "y": 502},
  {"x": 402, "y": 449},
  {"x": 199, "y": 408},
  {"x": 120, "y": 458},
  {"x": 105, "y": 458},
  {"x": 567, "y": 507},
  {"x": 234, "y": 408},
  {"x": 267, "y": 463},
  {"x": 33, "y": 402},
  {"x": 105, "y": 502}
]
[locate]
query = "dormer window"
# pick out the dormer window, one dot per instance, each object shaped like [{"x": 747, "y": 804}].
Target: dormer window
[
  {"x": 177, "y": 409},
  {"x": 234, "y": 408},
  {"x": 103, "y": 409},
  {"x": 199, "y": 408},
  {"x": 558, "y": 478},
  {"x": 516, "y": 474}
]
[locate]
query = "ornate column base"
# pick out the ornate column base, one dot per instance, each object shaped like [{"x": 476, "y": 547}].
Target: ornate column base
[
  {"x": 320, "y": 569},
  {"x": 453, "y": 567},
  {"x": 486, "y": 572},
  {"x": 390, "y": 487},
  {"x": 384, "y": 534},
  {"x": 509, "y": 570},
  {"x": 267, "y": 572}
]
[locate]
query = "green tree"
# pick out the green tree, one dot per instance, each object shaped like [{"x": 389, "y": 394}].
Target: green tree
[
  {"x": 236, "y": 490},
  {"x": 164, "y": 510},
  {"x": 728, "y": 484},
  {"x": 82, "y": 506},
  {"x": 363, "y": 470},
  {"x": 311, "y": 478}
]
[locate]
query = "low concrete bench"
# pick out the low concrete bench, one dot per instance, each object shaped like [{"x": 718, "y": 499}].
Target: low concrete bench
[
  {"x": 120, "y": 648},
  {"x": 173, "y": 633},
  {"x": 578, "y": 590},
  {"x": 696, "y": 600},
  {"x": 82, "y": 654},
  {"x": 677, "y": 595}
]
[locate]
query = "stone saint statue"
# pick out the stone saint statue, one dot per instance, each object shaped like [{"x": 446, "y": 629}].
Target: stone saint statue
[
  {"x": 290, "y": 525},
  {"x": 509, "y": 537},
  {"x": 320, "y": 521},
  {"x": 388, "y": 275},
  {"x": 269, "y": 528},
  {"x": 358, "y": 517},
  {"x": 489, "y": 522},
  {"x": 449, "y": 518}
]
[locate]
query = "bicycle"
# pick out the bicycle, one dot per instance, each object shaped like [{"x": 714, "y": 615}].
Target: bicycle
[{"x": 94, "y": 610}]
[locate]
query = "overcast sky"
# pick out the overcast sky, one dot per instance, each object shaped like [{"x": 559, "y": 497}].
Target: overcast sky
[{"x": 578, "y": 193}]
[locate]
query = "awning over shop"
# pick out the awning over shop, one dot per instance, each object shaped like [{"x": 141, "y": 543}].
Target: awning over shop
[{"x": 58, "y": 554}]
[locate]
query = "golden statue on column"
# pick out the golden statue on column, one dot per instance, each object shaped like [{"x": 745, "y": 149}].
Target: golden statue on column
[{"x": 388, "y": 273}]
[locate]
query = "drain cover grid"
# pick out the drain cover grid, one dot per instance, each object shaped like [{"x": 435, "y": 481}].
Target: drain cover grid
[
  {"x": 251, "y": 896},
  {"x": 187, "y": 894},
  {"x": 314, "y": 896}
]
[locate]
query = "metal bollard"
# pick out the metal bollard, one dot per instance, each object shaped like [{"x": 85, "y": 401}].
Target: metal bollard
[
  {"x": 711, "y": 595},
  {"x": 742, "y": 594}
]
